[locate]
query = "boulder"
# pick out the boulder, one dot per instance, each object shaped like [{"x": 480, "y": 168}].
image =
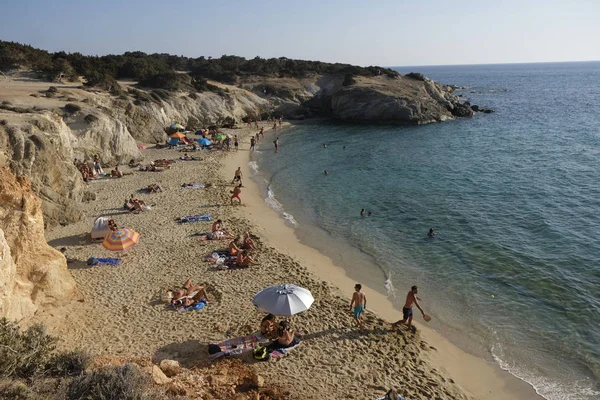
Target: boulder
[
  {"x": 159, "y": 377},
  {"x": 461, "y": 110},
  {"x": 32, "y": 274},
  {"x": 170, "y": 367}
]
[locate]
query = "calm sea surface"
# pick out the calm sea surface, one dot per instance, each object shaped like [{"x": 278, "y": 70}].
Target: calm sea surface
[{"x": 514, "y": 273}]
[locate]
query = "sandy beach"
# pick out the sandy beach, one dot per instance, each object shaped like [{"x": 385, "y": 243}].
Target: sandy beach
[{"x": 121, "y": 311}]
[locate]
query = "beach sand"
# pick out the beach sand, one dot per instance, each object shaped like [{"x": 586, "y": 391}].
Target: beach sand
[{"x": 121, "y": 313}]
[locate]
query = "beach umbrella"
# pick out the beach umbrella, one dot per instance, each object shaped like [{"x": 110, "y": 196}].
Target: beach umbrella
[
  {"x": 177, "y": 135},
  {"x": 120, "y": 240},
  {"x": 220, "y": 137},
  {"x": 178, "y": 127},
  {"x": 283, "y": 299},
  {"x": 204, "y": 142}
]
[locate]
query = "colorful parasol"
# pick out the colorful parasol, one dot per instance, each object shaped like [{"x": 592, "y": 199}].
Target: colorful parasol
[
  {"x": 177, "y": 135},
  {"x": 120, "y": 240}
]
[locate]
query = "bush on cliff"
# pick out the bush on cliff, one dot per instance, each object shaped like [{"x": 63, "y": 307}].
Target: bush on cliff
[
  {"x": 124, "y": 382},
  {"x": 23, "y": 353},
  {"x": 167, "y": 81}
]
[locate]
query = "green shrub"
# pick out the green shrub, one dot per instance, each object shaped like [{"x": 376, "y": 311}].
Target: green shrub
[
  {"x": 416, "y": 76},
  {"x": 23, "y": 353},
  {"x": 124, "y": 382},
  {"x": 69, "y": 363},
  {"x": 17, "y": 391}
]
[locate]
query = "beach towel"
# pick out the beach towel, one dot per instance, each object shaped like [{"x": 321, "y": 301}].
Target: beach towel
[
  {"x": 198, "y": 306},
  {"x": 103, "y": 261},
  {"x": 282, "y": 352},
  {"x": 194, "y": 186},
  {"x": 236, "y": 346},
  {"x": 195, "y": 218}
]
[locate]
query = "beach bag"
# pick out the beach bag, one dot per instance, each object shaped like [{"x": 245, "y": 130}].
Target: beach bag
[{"x": 260, "y": 353}]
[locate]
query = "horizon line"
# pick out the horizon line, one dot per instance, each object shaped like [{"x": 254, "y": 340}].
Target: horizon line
[{"x": 496, "y": 63}]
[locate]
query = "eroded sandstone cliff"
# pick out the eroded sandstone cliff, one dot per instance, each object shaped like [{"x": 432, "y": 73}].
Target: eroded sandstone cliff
[{"x": 32, "y": 274}]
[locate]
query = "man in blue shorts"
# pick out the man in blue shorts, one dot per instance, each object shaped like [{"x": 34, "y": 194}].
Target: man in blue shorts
[
  {"x": 359, "y": 301},
  {"x": 407, "y": 312}
]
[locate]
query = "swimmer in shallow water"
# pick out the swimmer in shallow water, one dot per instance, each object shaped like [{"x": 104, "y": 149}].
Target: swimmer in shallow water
[{"x": 431, "y": 233}]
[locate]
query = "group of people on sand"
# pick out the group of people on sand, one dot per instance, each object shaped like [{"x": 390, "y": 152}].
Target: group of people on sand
[
  {"x": 281, "y": 333},
  {"x": 358, "y": 304},
  {"x": 243, "y": 248}
]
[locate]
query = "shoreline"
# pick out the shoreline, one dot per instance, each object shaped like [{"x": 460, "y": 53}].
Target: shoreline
[{"x": 478, "y": 377}]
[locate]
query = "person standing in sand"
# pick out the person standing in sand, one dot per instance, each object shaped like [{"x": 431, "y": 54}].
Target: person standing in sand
[
  {"x": 407, "y": 312},
  {"x": 359, "y": 301},
  {"x": 237, "y": 176},
  {"x": 236, "y": 143},
  {"x": 236, "y": 193}
]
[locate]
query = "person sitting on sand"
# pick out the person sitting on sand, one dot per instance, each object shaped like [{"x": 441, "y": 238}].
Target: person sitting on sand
[
  {"x": 233, "y": 248},
  {"x": 431, "y": 233},
  {"x": 112, "y": 225},
  {"x": 63, "y": 250},
  {"x": 245, "y": 260},
  {"x": 133, "y": 163},
  {"x": 153, "y": 188},
  {"x": 217, "y": 226},
  {"x": 116, "y": 173},
  {"x": 268, "y": 327},
  {"x": 248, "y": 242},
  {"x": 285, "y": 338},
  {"x": 236, "y": 193},
  {"x": 188, "y": 294}
]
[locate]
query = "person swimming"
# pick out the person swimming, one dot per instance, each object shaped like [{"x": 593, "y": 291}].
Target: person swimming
[{"x": 431, "y": 233}]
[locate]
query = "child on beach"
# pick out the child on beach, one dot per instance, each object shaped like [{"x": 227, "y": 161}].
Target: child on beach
[
  {"x": 236, "y": 193},
  {"x": 359, "y": 301}
]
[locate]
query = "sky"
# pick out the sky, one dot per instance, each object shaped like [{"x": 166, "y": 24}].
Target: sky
[{"x": 383, "y": 32}]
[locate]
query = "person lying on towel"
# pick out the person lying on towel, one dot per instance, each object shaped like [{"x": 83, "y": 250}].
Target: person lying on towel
[{"x": 189, "y": 294}]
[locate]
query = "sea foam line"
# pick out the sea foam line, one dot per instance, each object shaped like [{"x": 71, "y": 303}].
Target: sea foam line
[{"x": 272, "y": 201}]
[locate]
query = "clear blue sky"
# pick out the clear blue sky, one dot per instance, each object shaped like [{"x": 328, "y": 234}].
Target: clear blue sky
[{"x": 384, "y": 32}]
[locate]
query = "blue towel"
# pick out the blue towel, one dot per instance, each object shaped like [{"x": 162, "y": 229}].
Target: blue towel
[
  {"x": 195, "y": 218},
  {"x": 198, "y": 306},
  {"x": 103, "y": 261}
]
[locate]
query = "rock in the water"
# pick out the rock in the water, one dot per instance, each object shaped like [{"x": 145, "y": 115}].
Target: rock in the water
[
  {"x": 462, "y": 110},
  {"x": 159, "y": 377},
  {"x": 475, "y": 108},
  {"x": 170, "y": 367},
  {"x": 32, "y": 274}
]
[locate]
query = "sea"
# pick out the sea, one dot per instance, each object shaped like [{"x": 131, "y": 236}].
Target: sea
[{"x": 513, "y": 275}]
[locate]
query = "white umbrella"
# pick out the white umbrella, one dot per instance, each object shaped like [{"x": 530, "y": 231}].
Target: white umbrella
[{"x": 283, "y": 299}]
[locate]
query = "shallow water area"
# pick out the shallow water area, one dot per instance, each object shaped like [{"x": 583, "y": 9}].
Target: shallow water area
[{"x": 514, "y": 271}]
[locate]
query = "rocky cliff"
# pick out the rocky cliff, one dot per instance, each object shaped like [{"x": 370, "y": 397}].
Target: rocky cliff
[
  {"x": 43, "y": 129},
  {"x": 32, "y": 274}
]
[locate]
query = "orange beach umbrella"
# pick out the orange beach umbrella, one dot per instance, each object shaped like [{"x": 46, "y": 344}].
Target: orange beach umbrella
[
  {"x": 177, "y": 135},
  {"x": 120, "y": 240}
]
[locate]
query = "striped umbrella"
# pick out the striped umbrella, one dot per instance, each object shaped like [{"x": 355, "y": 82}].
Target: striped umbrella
[
  {"x": 177, "y": 135},
  {"x": 120, "y": 240}
]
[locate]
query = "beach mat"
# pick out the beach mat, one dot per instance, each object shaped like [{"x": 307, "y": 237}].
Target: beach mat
[
  {"x": 198, "y": 306},
  {"x": 236, "y": 346},
  {"x": 275, "y": 354},
  {"x": 195, "y": 218},
  {"x": 103, "y": 261}
]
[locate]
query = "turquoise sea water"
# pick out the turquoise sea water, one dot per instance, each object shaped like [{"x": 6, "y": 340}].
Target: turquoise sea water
[{"x": 514, "y": 197}]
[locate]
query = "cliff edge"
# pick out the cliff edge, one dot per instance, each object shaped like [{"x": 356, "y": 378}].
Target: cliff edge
[{"x": 32, "y": 274}]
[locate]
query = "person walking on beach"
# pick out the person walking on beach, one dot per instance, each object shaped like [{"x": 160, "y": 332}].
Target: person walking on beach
[
  {"x": 235, "y": 143},
  {"x": 407, "y": 312},
  {"x": 276, "y": 143},
  {"x": 236, "y": 193},
  {"x": 262, "y": 131},
  {"x": 237, "y": 176},
  {"x": 359, "y": 301},
  {"x": 252, "y": 143}
]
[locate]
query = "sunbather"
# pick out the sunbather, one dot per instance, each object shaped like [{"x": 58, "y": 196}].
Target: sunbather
[
  {"x": 189, "y": 294},
  {"x": 233, "y": 248},
  {"x": 217, "y": 226},
  {"x": 286, "y": 338},
  {"x": 245, "y": 260},
  {"x": 268, "y": 327},
  {"x": 153, "y": 188},
  {"x": 248, "y": 242},
  {"x": 112, "y": 225},
  {"x": 115, "y": 173}
]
